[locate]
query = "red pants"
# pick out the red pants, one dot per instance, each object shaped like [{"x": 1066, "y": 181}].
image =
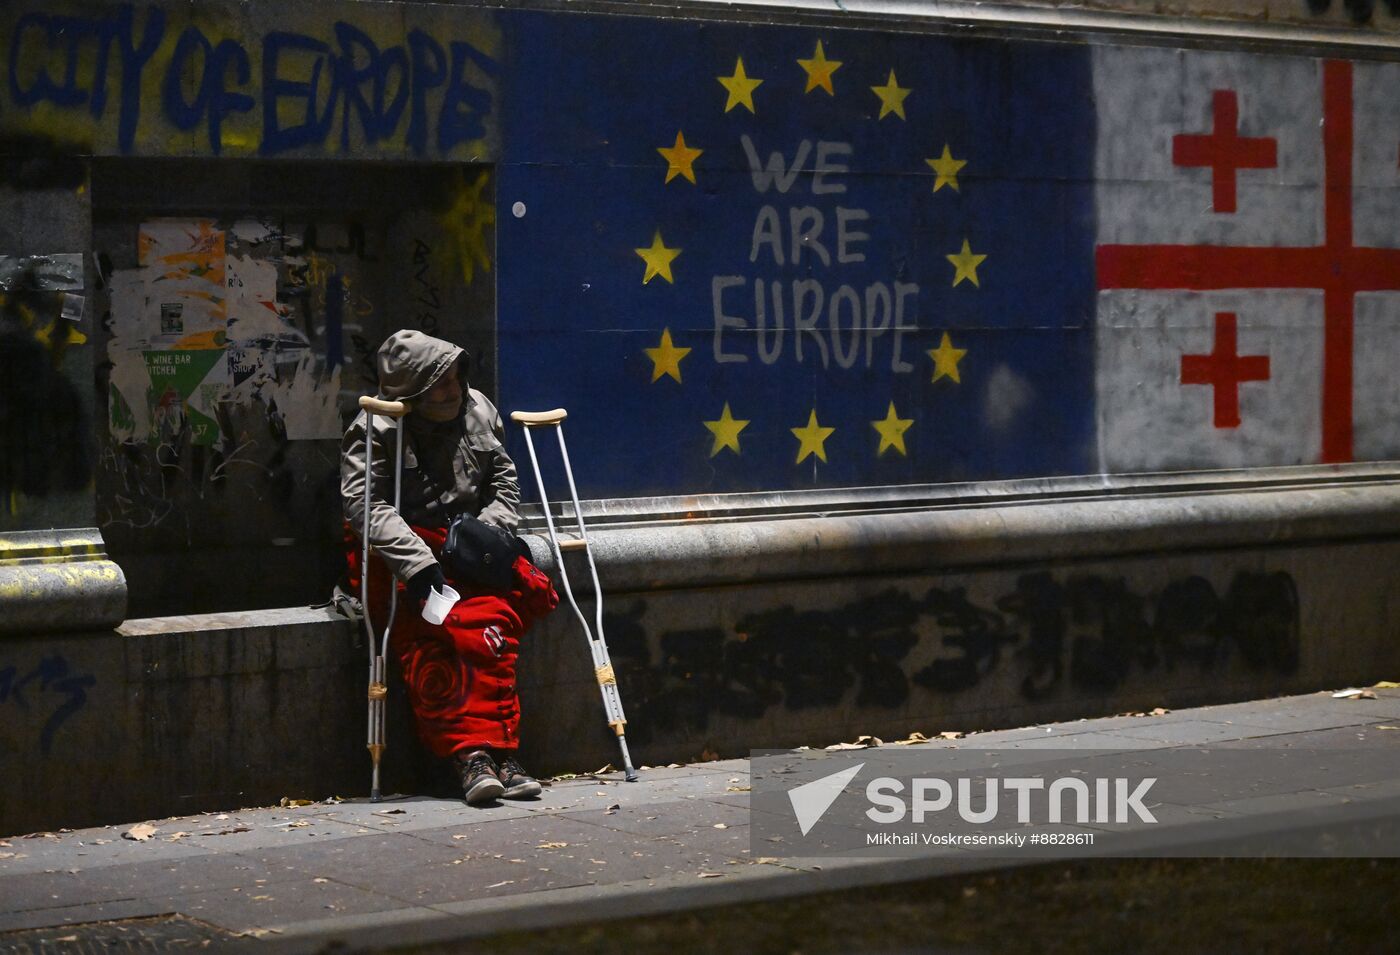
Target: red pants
[{"x": 460, "y": 675}]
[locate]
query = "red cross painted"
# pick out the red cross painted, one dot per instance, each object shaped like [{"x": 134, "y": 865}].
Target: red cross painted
[
  {"x": 1225, "y": 368},
  {"x": 1337, "y": 267},
  {"x": 1225, "y": 151}
]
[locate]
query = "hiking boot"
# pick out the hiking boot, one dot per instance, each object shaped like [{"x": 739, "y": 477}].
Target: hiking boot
[
  {"x": 479, "y": 780},
  {"x": 518, "y": 783}
]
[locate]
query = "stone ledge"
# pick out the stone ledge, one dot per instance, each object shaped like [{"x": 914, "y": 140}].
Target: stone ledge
[
  {"x": 937, "y": 539},
  {"x": 59, "y": 580}
]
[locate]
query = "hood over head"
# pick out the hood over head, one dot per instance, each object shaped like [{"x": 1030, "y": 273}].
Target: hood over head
[{"x": 410, "y": 362}]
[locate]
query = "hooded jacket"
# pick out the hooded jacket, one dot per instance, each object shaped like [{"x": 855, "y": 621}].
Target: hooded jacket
[{"x": 449, "y": 468}]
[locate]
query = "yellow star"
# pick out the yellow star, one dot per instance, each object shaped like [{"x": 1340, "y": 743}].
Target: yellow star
[
  {"x": 947, "y": 168},
  {"x": 966, "y": 264},
  {"x": 666, "y": 358},
  {"x": 891, "y": 97},
  {"x": 812, "y": 438},
  {"x": 945, "y": 359},
  {"x": 740, "y": 87},
  {"x": 726, "y": 431},
  {"x": 681, "y": 159},
  {"x": 658, "y": 259},
  {"x": 819, "y": 70},
  {"x": 892, "y": 430}
]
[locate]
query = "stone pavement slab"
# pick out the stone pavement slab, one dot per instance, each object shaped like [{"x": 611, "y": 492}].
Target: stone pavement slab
[{"x": 413, "y": 868}]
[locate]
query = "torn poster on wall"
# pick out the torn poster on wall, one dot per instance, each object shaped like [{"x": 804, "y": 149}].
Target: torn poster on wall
[{"x": 198, "y": 326}]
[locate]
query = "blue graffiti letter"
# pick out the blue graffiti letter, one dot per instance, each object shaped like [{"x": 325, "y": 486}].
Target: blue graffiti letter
[
  {"x": 464, "y": 105},
  {"x": 429, "y": 71},
  {"x": 312, "y": 128}
]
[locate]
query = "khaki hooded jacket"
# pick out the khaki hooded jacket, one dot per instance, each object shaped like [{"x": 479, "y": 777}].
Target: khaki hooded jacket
[{"x": 450, "y": 468}]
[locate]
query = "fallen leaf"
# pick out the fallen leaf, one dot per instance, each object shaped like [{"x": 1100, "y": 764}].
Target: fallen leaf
[
  {"x": 1386, "y": 685},
  {"x": 390, "y": 812},
  {"x": 515, "y": 860},
  {"x": 140, "y": 833},
  {"x": 461, "y": 836},
  {"x": 458, "y": 861},
  {"x": 97, "y": 842},
  {"x": 290, "y": 803},
  {"x": 711, "y": 875},
  {"x": 738, "y": 789},
  {"x": 912, "y": 739},
  {"x": 951, "y": 734},
  {"x": 1388, "y": 727},
  {"x": 597, "y": 861},
  {"x": 221, "y": 816},
  {"x": 66, "y": 938},
  {"x": 612, "y": 810},
  {"x": 607, "y": 768},
  {"x": 7, "y": 855},
  {"x": 1353, "y": 693},
  {"x": 262, "y": 898},
  {"x": 552, "y": 845},
  {"x": 497, "y": 885},
  {"x": 708, "y": 755},
  {"x": 862, "y": 742},
  {"x": 320, "y": 880},
  {"x": 260, "y": 932},
  {"x": 299, "y": 824},
  {"x": 720, "y": 825},
  {"x": 177, "y": 835},
  {"x": 229, "y": 832},
  {"x": 1160, "y": 711}
]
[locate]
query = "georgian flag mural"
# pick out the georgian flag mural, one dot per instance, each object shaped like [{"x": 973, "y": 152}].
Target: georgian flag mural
[
  {"x": 773, "y": 258},
  {"x": 1247, "y": 260}
]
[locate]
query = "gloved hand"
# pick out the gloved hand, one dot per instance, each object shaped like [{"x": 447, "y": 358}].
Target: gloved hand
[{"x": 420, "y": 583}]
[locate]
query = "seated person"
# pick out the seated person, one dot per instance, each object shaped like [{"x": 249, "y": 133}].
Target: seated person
[{"x": 460, "y": 675}]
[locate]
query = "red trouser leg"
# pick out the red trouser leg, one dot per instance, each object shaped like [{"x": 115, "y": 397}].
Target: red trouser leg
[{"x": 460, "y": 676}]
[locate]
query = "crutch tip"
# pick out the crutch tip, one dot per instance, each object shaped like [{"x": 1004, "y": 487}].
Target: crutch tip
[
  {"x": 374, "y": 795},
  {"x": 630, "y": 776}
]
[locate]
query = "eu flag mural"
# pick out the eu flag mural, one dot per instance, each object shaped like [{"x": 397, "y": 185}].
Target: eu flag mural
[{"x": 778, "y": 258}]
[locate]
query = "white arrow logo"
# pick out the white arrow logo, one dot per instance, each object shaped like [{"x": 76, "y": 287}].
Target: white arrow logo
[{"x": 810, "y": 801}]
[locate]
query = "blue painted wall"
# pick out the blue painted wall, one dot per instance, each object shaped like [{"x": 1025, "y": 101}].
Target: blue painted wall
[{"x": 588, "y": 103}]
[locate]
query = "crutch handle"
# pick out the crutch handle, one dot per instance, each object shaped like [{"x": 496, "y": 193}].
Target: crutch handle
[
  {"x": 391, "y": 409},
  {"x": 537, "y": 419}
]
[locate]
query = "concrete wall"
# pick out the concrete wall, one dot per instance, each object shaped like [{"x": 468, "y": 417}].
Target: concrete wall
[
  {"x": 733, "y": 635},
  {"x": 179, "y": 715},
  {"x": 935, "y": 501}
]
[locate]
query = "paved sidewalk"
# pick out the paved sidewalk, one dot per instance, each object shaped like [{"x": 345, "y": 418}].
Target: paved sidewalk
[{"x": 413, "y": 869}]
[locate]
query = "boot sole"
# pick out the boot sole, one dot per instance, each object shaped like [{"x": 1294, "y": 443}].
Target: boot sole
[
  {"x": 484, "y": 790},
  {"x": 523, "y": 790}
]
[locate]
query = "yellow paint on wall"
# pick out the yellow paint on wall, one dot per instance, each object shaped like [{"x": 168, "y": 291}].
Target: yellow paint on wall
[{"x": 466, "y": 222}]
